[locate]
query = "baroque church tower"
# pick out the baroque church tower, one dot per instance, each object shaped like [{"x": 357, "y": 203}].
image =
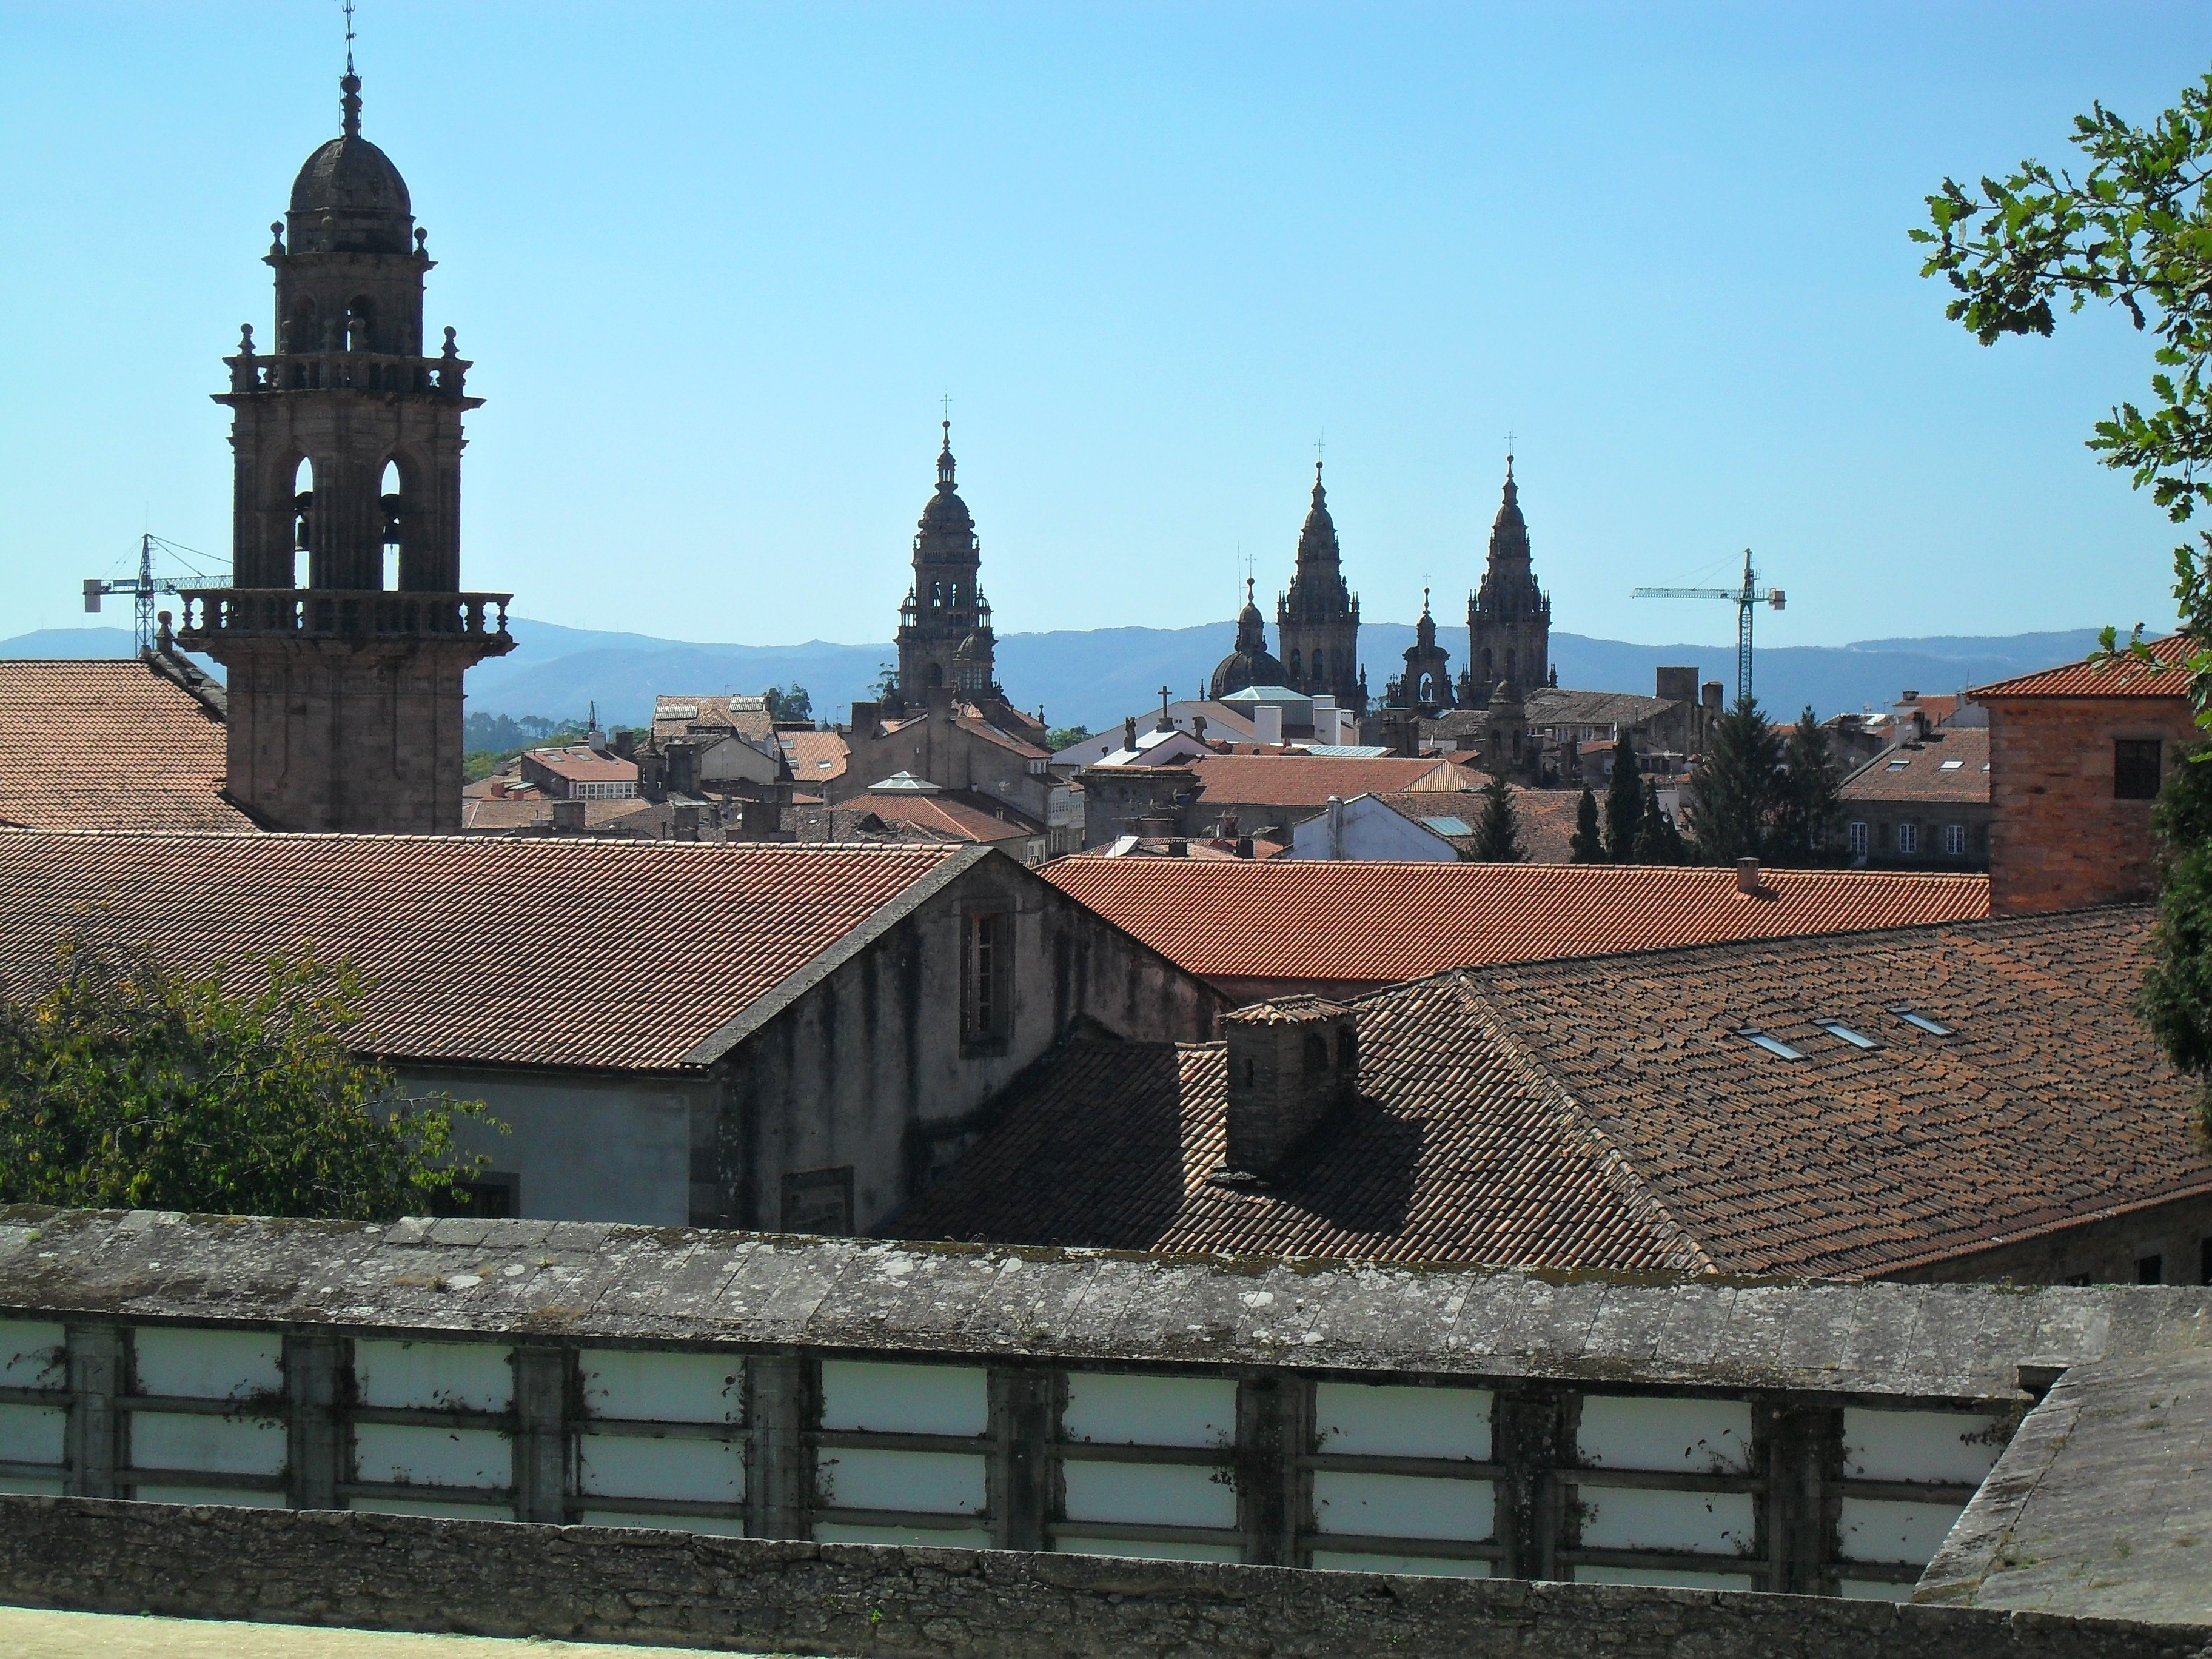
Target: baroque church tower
[
  {"x": 944, "y": 638},
  {"x": 344, "y": 632},
  {"x": 1317, "y": 621},
  {"x": 1426, "y": 684},
  {"x": 1508, "y": 620}
]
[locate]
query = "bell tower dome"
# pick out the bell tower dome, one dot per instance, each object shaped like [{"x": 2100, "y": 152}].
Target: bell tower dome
[{"x": 344, "y": 631}]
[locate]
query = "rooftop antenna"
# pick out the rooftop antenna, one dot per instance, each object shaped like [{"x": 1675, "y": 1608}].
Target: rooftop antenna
[{"x": 1745, "y": 599}]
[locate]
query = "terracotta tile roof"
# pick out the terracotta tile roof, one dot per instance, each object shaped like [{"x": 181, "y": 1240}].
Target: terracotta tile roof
[
  {"x": 109, "y": 745},
  {"x": 957, "y": 814},
  {"x": 1603, "y": 1112},
  {"x": 1953, "y": 765},
  {"x": 677, "y": 716},
  {"x": 483, "y": 813},
  {"x": 1289, "y": 919},
  {"x": 2124, "y": 677},
  {"x": 1308, "y": 780},
  {"x": 1548, "y": 817},
  {"x": 581, "y": 764},
  {"x": 552, "y": 951},
  {"x": 815, "y": 756}
]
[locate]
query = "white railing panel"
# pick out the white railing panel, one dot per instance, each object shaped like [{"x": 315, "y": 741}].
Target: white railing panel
[
  {"x": 440, "y": 1376},
  {"x": 928, "y": 1483},
  {"x": 1110, "y": 1407},
  {"x": 211, "y": 1445},
  {"x": 1885, "y": 1529},
  {"x": 398, "y": 1454},
  {"x": 1389, "y": 1421},
  {"x": 1954, "y": 1447},
  {"x": 896, "y": 1399},
  {"x": 663, "y": 1387},
  {"x": 1647, "y": 1431},
  {"x": 625, "y": 1466},
  {"x": 207, "y": 1365},
  {"x": 1150, "y": 1494},
  {"x": 1638, "y": 1518},
  {"x": 1403, "y": 1506},
  {"x": 33, "y": 1354}
]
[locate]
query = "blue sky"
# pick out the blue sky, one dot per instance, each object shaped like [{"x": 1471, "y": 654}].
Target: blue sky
[{"x": 717, "y": 264}]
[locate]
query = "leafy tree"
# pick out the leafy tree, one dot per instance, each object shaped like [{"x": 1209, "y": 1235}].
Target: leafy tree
[
  {"x": 2176, "y": 997},
  {"x": 1624, "y": 802},
  {"x": 886, "y": 680},
  {"x": 2132, "y": 232},
  {"x": 1809, "y": 807},
  {"x": 1657, "y": 840},
  {"x": 1065, "y": 737},
  {"x": 790, "y": 702},
  {"x": 1732, "y": 793},
  {"x": 1497, "y": 837},
  {"x": 124, "y": 1085},
  {"x": 1584, "y": 842}
]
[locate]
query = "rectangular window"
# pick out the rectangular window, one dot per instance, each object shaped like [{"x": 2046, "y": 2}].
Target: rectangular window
[
  {"x": 1858, "y": 832},
  {"x": 1954, "y": 840},
  {"x": 1851, "y": 1034},
  {"x": 1919, "y": 1021},
  {"x": 1908, "y": 837},
  {"x": 985, "y": 975},
  {"x": 1773, "y": 1045},
  {"x": 2150, "y": 1270},
  {"x": 2135, "y": 767}
]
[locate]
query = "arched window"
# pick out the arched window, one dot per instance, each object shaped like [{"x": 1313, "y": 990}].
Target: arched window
[
  {"x": 361, "y": 325},
  {"x": 1294, "y": 668},
  {"x": 303, "y": 523},
  {"x": 936, "y": 674},
  {"x": 391, "y": 497}
]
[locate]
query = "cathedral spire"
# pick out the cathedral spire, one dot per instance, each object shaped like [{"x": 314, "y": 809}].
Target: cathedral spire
[{"x": 944, "y": 462}]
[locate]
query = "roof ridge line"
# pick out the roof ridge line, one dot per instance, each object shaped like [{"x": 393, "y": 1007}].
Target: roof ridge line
[{"x": 1615, "y": 1166}]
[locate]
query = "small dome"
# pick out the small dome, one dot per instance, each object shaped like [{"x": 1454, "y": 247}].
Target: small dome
[
  {"x": 353, "y": 185},
  {"x": 972, "y": 649}
]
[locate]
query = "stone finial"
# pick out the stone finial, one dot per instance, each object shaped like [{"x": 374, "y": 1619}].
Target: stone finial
[
  {"x": 452, "y": 349},
  {"x": 350, "y": 86},
  {"x": 246, "y": 339},
  {"x": 276, "y": 238}
]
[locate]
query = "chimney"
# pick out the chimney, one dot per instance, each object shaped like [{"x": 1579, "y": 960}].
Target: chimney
[
  {"x": 865, "y": 718},
  {"x": 1178, "y": 847},
  {"x": 1712, "y": 696},
  {"x": 499, "y": 788},
  {"x": 1746, "y": 875},
  {"x": 1291, "y": 1063},
  {"x": 1267, "y": 723},
  {"x": 1243, "y": 847},
  {"x": 1336, "y": 826},
  {"x": 568, "y": 818},
  {"x": 1156, "y": 826},
  {"x": 1677, "y": 684},
  {"x": 1227, "y": 829}
]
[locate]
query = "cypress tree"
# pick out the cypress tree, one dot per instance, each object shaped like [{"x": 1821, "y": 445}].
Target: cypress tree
[
  {"x": 1585, "y": 845},
  {"x": 1809, "y": 808},
  {"x": 1657, "y": 840},
  {"x": 1734, "y": 790},
  {"x": 1497, "y": 837},
  {"x": 1624, "y": 803}
]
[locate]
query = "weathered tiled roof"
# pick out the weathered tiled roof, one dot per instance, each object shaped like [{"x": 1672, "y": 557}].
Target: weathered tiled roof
[
  {"x": 957, "y": 814},
  {"x": 675, "y": 716},
  {"x": 486, "y": 813},
  {"x": 1607, "y": 1113},
  {"x": 584, "y": 1280},
  {"x": 2124, "y": 677},
  {"x": 1952, "y": 765},
  {"x": 557, "y": 950},
  {"x": 1310, "y": 779},
  {"x": 581, "y": 764},
  {"x": 1288, "y": 919},
  {"x": 109, "y": 745}
]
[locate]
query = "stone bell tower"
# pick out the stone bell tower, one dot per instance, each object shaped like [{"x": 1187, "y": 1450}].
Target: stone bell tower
[{"x": 344, "y": 631}]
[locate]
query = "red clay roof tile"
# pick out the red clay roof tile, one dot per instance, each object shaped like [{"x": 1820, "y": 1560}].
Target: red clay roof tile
[
  {"x": 2124, "y": 677},
  {"x": 109, "y": 745}
]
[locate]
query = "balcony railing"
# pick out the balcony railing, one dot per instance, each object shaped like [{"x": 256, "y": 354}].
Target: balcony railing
[
  {"x": 358, "y": 371},
  {"x": 215, "y": 613}
]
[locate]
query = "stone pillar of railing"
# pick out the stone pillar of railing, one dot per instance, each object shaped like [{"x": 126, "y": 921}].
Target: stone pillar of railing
[
  {"x": 1274, "y": 1429},
  {"x": 543, "y": 1383},
  {"x": 779, "y": 1462},
  {"x": 97, "y": 1367},
  {"x": 315, "y": 1435},
  {"x": 1025, "y": 1421},
  {"x": 1802, "y": 1449},
  {"x": 1530, "y": 1433}
]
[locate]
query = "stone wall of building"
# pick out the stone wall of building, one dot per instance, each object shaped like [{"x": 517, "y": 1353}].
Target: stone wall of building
[
  {"x": 2168, "y": 1243},
  {"x": 2058, "y": 838},
  {"x": 409, "y": 1572}
]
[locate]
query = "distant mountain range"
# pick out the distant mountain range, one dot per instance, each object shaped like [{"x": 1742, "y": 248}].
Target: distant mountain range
[{"x": 1095, "y": 678}]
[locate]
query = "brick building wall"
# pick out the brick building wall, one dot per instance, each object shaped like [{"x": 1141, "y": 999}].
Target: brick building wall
[{"x": 2060, "y": 837}]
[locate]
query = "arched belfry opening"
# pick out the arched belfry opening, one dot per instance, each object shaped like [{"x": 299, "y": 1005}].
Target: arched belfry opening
[{"x": 346, "y": 551}]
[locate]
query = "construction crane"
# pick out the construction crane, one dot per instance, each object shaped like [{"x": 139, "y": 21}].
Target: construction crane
[
  {"x": 1745, "y": 599},
  {"x": 145, "y": 585}
]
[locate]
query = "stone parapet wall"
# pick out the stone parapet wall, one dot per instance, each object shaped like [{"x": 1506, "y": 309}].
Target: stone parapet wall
[{"x": 395, "y": 1572}]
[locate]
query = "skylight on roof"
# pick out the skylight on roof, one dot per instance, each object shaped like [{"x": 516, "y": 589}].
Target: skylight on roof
[
  {"x": 1899, "y": 765},
  {"x": 1921, "y": 1022},
  {"x": 1773, "y": 1045},
  {"x": 1953, "y": 765},
  {"x": 1448, "y": 826},
  {"x": 1851, "y": 1034}
]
